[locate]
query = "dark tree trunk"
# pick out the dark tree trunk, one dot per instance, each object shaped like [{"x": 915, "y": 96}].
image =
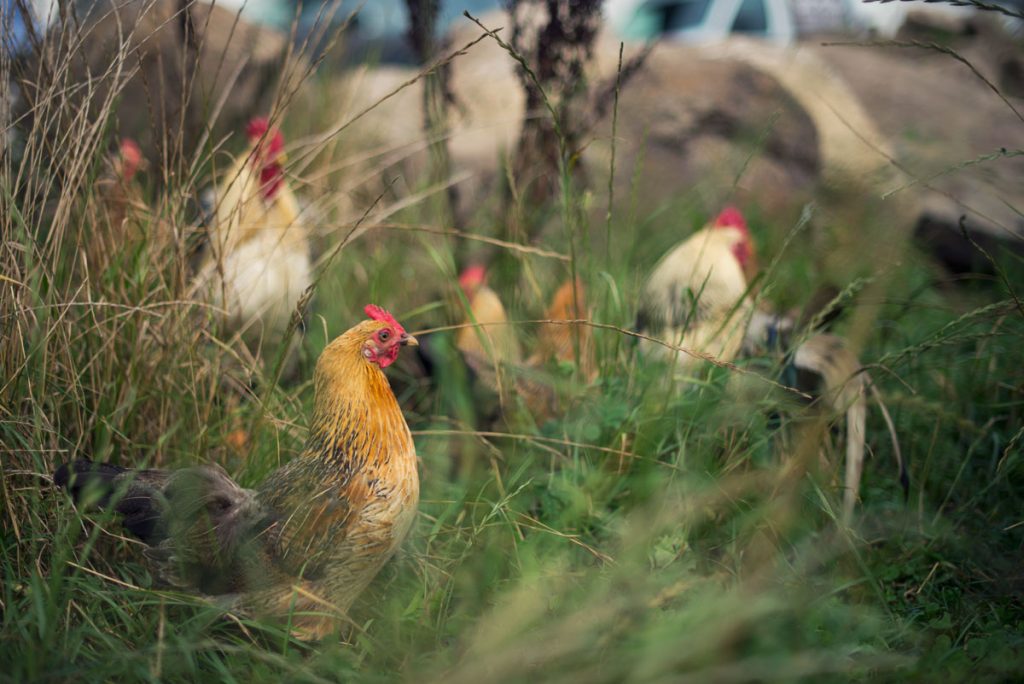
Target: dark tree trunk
[
  {"x": 422, "y": 37},
  {"x": 556, "y": 40}
]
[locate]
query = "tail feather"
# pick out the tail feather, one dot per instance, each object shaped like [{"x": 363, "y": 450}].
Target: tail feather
[
  {"x": 81, "y": 476},
  {"x": 856, "y": 423},
  {"x": 900, "y": 464},
  {"x": 141, "y": 503}
]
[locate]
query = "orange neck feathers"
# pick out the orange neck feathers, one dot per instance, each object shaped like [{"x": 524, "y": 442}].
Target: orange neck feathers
[{"x": 356, "y": 417}]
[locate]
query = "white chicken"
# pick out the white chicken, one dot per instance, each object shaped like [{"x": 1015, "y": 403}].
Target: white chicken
[
  {"x": 258, "y": 264},
  {"x": 697, "y": 298}
]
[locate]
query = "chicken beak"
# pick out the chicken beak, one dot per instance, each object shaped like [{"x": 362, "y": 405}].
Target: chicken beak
[{"x": 407, "y": 340}]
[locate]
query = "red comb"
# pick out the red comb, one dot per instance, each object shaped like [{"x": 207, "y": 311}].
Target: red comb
[
  {"x": 379, "y": 314},
  {"x": 472, "y": 276},
  {"x": 131, "y": 156},
  {"x": 731, "y": 217},
  {"x": 130, "y": 149},
  {"x": 259, "y": 128}
]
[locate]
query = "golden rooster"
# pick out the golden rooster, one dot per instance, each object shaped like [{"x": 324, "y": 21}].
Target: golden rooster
[
  {"x": 314, "y": 533},
  {"x": 696, "y": 298},
  {"x": 258, "y": 265}
]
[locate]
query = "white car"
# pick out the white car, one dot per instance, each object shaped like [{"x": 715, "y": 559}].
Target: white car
[
  {"x": 779, "y": 21},
  {"x": 702, "y": 20}
]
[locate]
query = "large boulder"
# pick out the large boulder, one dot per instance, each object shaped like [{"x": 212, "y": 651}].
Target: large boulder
[
  {"x": 955, "y": 137},
  {"x": 889, "y": 129},
  {"x": 691, "y": 122}
]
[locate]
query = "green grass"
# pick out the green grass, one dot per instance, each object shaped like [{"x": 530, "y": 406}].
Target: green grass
[{"x": 711, "y": 552}]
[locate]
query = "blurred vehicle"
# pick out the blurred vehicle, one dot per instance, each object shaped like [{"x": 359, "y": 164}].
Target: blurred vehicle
[
  {"x": 780, "y": 21},
  {"x": 702, "y": 20},
  {"x": 276, "y": 13},
  {"x": 885, "y": 19},
  {"x": 16, "y": 24},
  {"x": 377, "y": 31}
]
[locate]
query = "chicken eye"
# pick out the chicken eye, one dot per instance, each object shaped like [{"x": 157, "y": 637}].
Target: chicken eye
[{"x": 384, "y": 335}]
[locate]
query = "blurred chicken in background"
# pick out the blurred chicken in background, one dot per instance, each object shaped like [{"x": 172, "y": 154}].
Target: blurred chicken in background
[
  {"x": 821, "y": 366},
  {"x": 492, "y": 351},
  {"x": 258, "y": 264},
  {"x": 116, "y": 211},
  {"x": 564, "y": 343},
  {"x": 696, "y": 297},
  {"x": 488, "y": 344}
]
